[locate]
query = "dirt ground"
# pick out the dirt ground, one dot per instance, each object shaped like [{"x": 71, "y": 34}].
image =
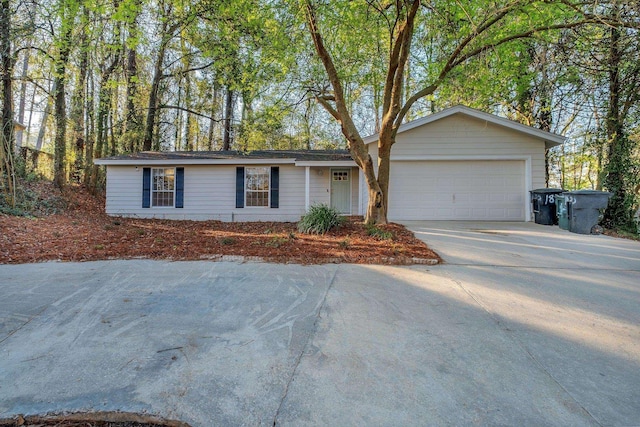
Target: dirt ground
[
  {"x": 98, "y": 419},
  {"x": 81, "y": 231}
]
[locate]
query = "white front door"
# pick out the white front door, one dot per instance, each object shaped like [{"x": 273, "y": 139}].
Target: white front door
[{"x": 341, "y": 190}]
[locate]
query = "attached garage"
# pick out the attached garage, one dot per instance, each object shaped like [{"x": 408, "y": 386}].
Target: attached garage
[
  {"x": 458, "y": 190},
  {"x": 464, "y": 164}
]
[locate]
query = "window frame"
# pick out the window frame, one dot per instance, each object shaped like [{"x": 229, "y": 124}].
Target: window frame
[
  {"x": 246, "y": 190},
  {"x": 154, "y": 191}
]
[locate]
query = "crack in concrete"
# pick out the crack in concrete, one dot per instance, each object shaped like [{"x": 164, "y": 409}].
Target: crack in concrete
[
  {"x": 311, "y": 334},
  {"x": 534, "y": 267},
  {"x": 10, "y": 334},
  {"x": 522, "y": 346}
]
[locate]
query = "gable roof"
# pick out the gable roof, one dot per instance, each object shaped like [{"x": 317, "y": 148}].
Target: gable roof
[
  {"x": 550, "y": 139},
  {"x": 297, "y": 157}
]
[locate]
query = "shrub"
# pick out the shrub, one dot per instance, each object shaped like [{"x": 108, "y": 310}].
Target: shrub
[
  {"x": 320, "y": 219},
  {"x": 276, "y": 241},
  {"x": 227, "y": 241},
  {"x": 379, "y": 233}
]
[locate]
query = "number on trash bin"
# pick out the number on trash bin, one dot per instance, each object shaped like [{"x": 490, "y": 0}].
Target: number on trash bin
[{"x": 550, "y": 199}]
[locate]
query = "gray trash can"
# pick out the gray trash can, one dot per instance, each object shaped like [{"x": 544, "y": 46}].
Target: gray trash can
[
  {"x": 583, "y": 209},
  {"x": 544, "y": 205},
  {"x": 561, "y": 212}
]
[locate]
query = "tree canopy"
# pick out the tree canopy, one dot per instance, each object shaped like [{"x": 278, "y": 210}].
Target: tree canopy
[{"x": 90, "y": 79}]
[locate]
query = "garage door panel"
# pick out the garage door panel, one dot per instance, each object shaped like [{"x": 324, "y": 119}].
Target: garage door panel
[
  {"x": 462, "y": 213},
  {"x": 514, "y": 212},
  {"x": 480, "y": 213},
  {"x": 463, "y": 190}
]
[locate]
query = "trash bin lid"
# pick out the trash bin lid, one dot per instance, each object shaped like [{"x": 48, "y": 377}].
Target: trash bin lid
[
  {"x": 548, "y": 190},
  {"x": 587, "y": 192}
]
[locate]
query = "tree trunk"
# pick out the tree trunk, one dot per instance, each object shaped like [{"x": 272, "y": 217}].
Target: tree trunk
[
  {"x": 45, "y": 116},
  {"x": 177, "y": 121},
  {"x": 228, "y": 118},
  {"x": 60, "y": 141},
  {"x": 77, "y": 111},
  {"x": 89, "y": 133},
  {"x": 60, "y": 113},
  {"x": 212, "y": 122},
  {"x": 152, "y": 109},
  {"x": 131, "y": 130},
  {"x": 7, "y": 170},
  {"x": 188, "y": 143},
  {"x": 32, "y": 107},
  {"x": 153, "y": 101},
  {"x": 618, "y": 213},
  {"x": 104, "y": 106},
  {"x": 23, "y": 100}
]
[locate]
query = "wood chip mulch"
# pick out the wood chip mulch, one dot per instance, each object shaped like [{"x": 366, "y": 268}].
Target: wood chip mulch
[
  {"x": 93, "y": 419},
  {"x": 83, "y": 232}
]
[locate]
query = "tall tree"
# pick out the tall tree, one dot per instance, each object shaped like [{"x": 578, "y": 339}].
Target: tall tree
[
  {"x": 22, "y": 104},
  {"x": 7, "y": 170},
  {"x": 78, "y": 100},
  {"x": 110, "y": 60},
  {"x": 464, "y": 32},
  {"x": 623, "y": 71},
  {"x": 132, "y": 124},
  {"x": 167, "y": 31},
  {"x": 67, "y": 11}
]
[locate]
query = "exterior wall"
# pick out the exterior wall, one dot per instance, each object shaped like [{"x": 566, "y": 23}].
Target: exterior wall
[
  {"x": 319, "y": 185},
  {"x": 209, "y": 194},
  {"x": 355, "y": 193},
  {"x": 461, "y": 135},
  {"x": 466, "y": 138}
]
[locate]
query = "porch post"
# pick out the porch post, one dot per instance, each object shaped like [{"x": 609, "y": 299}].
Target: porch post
[{"x": 307, "y": 171}]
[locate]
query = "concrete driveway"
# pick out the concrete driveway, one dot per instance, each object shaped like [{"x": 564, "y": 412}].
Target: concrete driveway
[{"x": 524, "y": 325}]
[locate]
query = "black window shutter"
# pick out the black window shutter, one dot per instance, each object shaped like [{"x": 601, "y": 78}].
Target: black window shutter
[
  {"x": 240, "y": 187},
  {"x": 146, "y": 187},
  {"x": 179, "y": 187},
  {"x": 275, "y": 187}
]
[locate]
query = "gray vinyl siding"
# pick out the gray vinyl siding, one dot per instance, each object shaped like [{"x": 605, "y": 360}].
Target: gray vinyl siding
[
  {"x": 355, "y": 181},
  {"x": 319, "y": 186},
  {"x": 209, "y": 194},
  {"x": 461, "y": 135}
]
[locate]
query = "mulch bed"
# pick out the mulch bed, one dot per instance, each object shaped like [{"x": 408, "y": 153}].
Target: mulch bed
[
  {"x": 83, "y": 232},
  {"x": 96, "y": 419}
]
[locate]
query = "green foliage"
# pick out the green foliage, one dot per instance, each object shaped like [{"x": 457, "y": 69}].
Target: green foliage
[
  {"x": 277, "y": 241},
  {"x": 320, "y": 219},
  {"x": 31, "y": 203},
  {"x": 378, "y": 233},
  {"x": 227, "y": 241}
]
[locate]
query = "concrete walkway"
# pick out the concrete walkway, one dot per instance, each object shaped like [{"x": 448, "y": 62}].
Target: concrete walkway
[{"x": 490, "y": 339}]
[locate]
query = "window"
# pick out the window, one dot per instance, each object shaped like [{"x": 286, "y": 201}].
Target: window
[
  {"x": 162, "y": 187},
  {"x": 257, "y": 186},
  {"x": 341, "y": 175}
]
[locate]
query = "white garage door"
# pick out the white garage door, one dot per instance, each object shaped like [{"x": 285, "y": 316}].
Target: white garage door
[{"x": 457, "y": 190}]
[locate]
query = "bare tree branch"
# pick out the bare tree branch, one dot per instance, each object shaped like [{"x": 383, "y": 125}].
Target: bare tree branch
[{"x": 177, "y": 107}]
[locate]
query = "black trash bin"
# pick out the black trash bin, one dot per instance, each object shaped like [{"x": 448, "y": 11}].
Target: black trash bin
[
  {"x": 583, "y": 209},
  {"x": 544, "y": 205},
  {"x": 561, "y": 212}
]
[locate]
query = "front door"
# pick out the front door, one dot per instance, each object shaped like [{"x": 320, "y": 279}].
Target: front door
[{"x": 341, "y": 190}]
